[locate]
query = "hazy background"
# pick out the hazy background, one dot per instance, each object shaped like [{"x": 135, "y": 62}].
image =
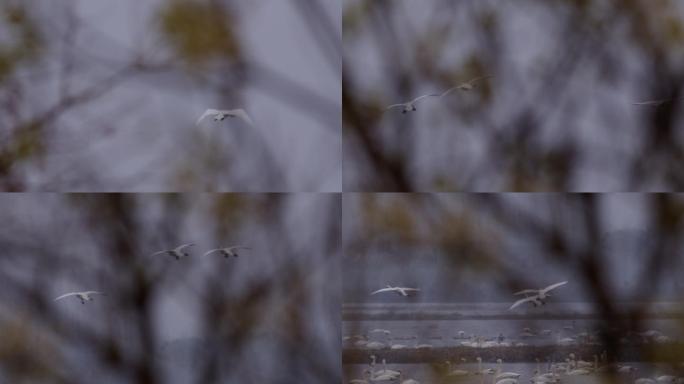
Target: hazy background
[
  {"x": 556, "y": 116},
  {"x": 270, "y": 315},
  {"x": 102, "y": 96}
]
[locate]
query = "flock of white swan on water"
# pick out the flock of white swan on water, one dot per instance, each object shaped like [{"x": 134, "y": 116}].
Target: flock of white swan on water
[
  {"x": 553, "y": 374},
  {"x": 535, "y": 297},
  {"x": 177, "y": 253}
]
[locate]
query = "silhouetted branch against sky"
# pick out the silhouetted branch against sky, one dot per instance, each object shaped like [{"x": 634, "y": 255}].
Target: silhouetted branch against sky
[{"x": 202, "y": 317}]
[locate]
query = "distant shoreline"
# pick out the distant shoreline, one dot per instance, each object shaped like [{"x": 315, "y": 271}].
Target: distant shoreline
[
  {"x": 528, "y": 316},
  {"x": 524, "y": 354},
  {"x": 496, "y": 311}
]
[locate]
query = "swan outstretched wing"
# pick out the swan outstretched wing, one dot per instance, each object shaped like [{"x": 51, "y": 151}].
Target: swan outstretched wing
[
  {"x": 553, "y": 286},
  {"x": 233, "y": 247},
  {"x": 181, "y": 247},
  {"x": 650, "y": 103},
  {"x": 423, "y": 97},
  {"x": 67, "y": 295},
  {"x": 475, "y": 80},
  {"x": 388, "y": 289},
  {"x": 93, "y": 293},
  {"x": 394, "y": 106},
  {"x": 522, "y": 301},
  {"x": 206, "y": 113},
  {"x": 448, "y": 91},
  {"x": 212, "y": 251},
  {"x": 527, "y": 291},
  {"x": 160, "y": 252}
]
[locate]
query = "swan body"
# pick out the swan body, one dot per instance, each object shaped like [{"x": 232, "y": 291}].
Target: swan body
[
  {"x": 227, "y": 251},
  {"x": 83, "y": 296},
  {"x": 410, "y": 106},
  {"x": 465, "y": 86},
  {"x": 535, "y": 300},
  {"x": 455, "y": 372},
  {"x": 220, "y": 115},
  {"x": 507, "y": 380},
  {"x": 177, "y": 252},
  {"x": 541, "y": 293},
  {"x": 402, "y": 291}
]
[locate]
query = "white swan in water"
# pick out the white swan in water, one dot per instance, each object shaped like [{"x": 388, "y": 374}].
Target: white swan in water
[
  {"x": 177, "y": 252},
  {"x": 83, "y": 296},
  {"x": 625, "y": 369},
  {"x": 407, "y": 381},
  {"x": 403, "y": 291},
  {"x": 508, "y": 380},
  {"x": 485, "y": 371},
  {"x": 504, "y": 375},
  {"x": 388, "y": 371},
  {"x": 455, "y": 372},
  {"x": 380, "y": 330},
  {"x": 375, "y": 345},
  {"x": 366, "y": 376},
  {"x": 384, "y": 374}
]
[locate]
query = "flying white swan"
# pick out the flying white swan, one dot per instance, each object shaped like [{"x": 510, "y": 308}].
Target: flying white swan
[
  {"x": 410, "y": 105},
  {"x": 403, "y": 291},
  {"x": 228, "y": 251},
  {"x": 83, "y": 296},
  {"x": 541, "y": 293},
  {"x": 653, "y": 103},
  {"x": 220, "y": 115},
  {"x": 176, "y": 252},
  {"x": 466, "y": 86},
  {"x": 531, "y": 299}
]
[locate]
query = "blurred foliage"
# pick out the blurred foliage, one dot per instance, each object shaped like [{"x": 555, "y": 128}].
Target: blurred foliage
[
  {"x": 25, "y": 40},
  {"x": 391, "y": 217},
  {"x": 199, "y": 31}
]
